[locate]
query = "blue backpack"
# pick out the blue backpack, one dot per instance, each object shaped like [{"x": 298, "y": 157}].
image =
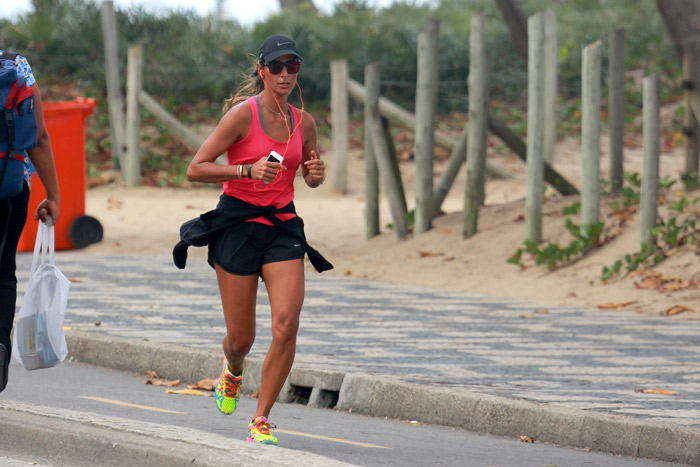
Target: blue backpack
[{"x": 18, "y": 127}]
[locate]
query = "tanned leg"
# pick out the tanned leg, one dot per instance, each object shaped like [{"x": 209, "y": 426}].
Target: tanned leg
[
  {"x": 285, "y": 285},
  {"x": 238, "y": 295}
]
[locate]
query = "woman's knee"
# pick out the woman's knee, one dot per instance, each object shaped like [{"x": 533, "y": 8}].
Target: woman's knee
[
  {"x": 239, "y": 344},
  {"x": 285, "y": 327}
]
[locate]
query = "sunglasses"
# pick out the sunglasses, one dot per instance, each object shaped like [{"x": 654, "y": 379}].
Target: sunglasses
[{"x": 276, "y": 66}]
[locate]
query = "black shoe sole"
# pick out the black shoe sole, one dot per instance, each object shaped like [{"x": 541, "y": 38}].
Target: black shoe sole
[{"x": 4, "y": 363}]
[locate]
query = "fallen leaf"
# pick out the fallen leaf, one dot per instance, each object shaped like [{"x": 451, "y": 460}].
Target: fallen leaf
[
  {"x": 663, "y": 392},
  {"x": 114, "y": 203},
  {"x": 189, "y": 392},
  {"x": 162, "y": 382},
  {"x": 207, "y": 384},
  {"x": 426, "y": 254},
  {"x": 97, "y": 323},
  {"x": 636, "y": 273},
  {"x": 527, "y": 439},
  {"x": 449, "y": 258},
  {"x": 676, "y": 309},
  {"x": 649, "y": 283},
  {"x": 348, "y": 272},
  {"x": 520, "y": 218},
  {"x": 573, "y": 295},
  {"x": 74, "y": 280},
  {"x": 614, "y": 306}
]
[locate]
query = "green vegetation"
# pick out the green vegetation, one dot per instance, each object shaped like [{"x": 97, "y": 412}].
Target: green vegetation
[
  {"x": 192, "y": 63},
  {"x": 553, "y": 255},
  {"x": 682, "y": 228}
]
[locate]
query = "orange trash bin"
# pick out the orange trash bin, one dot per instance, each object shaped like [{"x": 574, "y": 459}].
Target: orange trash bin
[{"x": 65, "y": 122}]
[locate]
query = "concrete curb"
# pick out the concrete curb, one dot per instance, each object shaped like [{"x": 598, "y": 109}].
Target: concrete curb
[
  {"x": 389, "y": 397},
  {"x": 65, "y": 437}
]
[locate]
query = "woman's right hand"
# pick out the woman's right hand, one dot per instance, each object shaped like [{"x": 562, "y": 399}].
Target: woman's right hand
[{"x": 265, "y": 170}]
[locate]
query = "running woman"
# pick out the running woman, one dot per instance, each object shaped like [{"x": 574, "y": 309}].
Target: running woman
[{"x": 254, "y": 231}]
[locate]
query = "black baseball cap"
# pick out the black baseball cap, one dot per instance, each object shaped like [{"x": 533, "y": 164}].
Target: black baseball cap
[{"x": 276, "y": 46}]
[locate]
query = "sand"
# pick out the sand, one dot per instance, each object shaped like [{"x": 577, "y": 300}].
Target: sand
[{"x": 146, "y": 221}]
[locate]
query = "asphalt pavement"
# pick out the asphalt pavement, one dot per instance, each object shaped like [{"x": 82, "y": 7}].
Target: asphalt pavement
[{"x": 566, "y": 376}]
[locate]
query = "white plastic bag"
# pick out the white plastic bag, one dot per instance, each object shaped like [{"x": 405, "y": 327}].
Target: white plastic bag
[{"x": 39, "y": 340}]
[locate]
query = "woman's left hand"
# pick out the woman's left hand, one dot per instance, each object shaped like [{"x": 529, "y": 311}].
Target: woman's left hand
[{"x": 316, "y": 170}]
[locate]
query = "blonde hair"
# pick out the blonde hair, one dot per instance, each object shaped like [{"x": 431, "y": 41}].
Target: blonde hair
[{"x": 251, "y": 84}]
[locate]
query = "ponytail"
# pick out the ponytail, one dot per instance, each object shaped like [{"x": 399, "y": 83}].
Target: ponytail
[{"x": 251, "y": 85}]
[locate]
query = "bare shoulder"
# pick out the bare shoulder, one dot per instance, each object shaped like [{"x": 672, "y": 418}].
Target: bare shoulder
[
  {"x": 308, "y": 125},
  {"x": 238, "y": 114},
  {"x": 235, "y": 122}
]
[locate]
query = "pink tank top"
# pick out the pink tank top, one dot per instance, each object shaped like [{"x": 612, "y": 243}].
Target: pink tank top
[{"x": 250, "y": 149}]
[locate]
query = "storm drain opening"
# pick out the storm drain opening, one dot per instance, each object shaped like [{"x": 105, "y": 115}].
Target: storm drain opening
[
  {"x": 300, "y": 395},
  {"x": 327, "y": 399},
  {"x": 314, "y": 397}
]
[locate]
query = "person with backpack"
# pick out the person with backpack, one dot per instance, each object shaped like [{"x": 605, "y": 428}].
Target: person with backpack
[
  {"x": 24, "y": 119},
  {"x": 254, "y": 231}
]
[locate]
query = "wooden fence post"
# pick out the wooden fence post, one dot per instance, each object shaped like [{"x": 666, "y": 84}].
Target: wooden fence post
[
  {"x": 551, "y": 93},
  {"x": 616, "y": 107},
  {"x": 339, "y": 121},
  {"x": 132, "y": 166},
  {"x": 371, "y": 170},
  {"x": 535, "y": 127},
  {"x": 426, "y": 108},
  {"x": 691, "y": 83},
  {"x": 114, "y": 93},
  {"x": 650, "y": 175},
  {"x": 392, "y": 188},
  {"x": 477, "y": 126},
  {"x": 590, "y": 135}
]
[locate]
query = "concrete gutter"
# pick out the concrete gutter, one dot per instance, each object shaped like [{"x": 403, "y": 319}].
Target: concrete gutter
[{"x": 389, "y": 397}]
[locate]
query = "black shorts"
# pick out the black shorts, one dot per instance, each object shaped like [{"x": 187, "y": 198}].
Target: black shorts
[{"x": 244, "y": 248}]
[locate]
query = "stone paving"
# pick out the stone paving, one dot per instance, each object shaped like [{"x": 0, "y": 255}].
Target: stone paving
[{"x": 580, "y": 358}]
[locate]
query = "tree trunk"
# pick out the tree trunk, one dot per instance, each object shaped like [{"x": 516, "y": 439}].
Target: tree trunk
[
  {"x": 682, "y": 19},
  {"x": 294, "y": 4},
  {"x": 517, "y": 24}
]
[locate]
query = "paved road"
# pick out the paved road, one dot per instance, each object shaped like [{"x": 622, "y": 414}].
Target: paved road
[
  {"x": 579, "y": 358},
  {"x": 482, "y": 363},
  {"x": 99, "y": 395}
]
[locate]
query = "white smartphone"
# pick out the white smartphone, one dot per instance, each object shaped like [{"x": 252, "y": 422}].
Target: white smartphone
[{"x": 275, "y": 157}]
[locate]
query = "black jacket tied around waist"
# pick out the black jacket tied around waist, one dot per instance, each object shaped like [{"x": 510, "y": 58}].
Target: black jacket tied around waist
[{"x": 232, "y": 211}]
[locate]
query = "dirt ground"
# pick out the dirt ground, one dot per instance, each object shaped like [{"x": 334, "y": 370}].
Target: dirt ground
[{"x": 146, "y": 220}]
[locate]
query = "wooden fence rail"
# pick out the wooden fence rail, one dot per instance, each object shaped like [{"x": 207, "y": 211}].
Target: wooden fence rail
[{"x": 381, "y": 153}]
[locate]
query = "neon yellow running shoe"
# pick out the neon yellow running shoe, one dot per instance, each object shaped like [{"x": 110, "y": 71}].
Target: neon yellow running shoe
[
  {"x": 228, "y": 389},
  {"x": 259, "y": 431}
]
